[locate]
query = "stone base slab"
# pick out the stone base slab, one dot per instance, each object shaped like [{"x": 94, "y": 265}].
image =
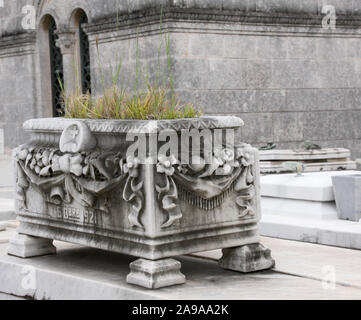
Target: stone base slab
[
  {"x": 308, "y": 221},
  {"x": 201, "y": 240},
  {"x": 275, "y": 167},
  {"x": 316, "y": 186},
  {"x": 299, "y": 155},
  {"x": 155, "y": 274}
]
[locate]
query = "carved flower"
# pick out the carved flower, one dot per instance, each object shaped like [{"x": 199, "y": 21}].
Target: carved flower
[
  {"x": 132, "y": 166},
  {"x": 33, "y": 164},
  {"x": 182, "y": 168},
  {"x": 29, "y": 157},
  {"x": 22, "y": 154},
  {"x": 226, "y": 160},
  {"x": 165, "y": 164},
  {"x": 46, "y": 158},
  {"x": 227, "y": 155},
  {"x": 245, "y": 155}
]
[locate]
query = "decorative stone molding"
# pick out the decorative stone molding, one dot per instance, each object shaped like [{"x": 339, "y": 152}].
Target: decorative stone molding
[
  {"x": 66, "y": 42},
  {"x": 250, "y": 12},
  {"x": 125, "y": 126},
  {"x": 194, "y": 14},
  {"x": 14, "y": 45}
]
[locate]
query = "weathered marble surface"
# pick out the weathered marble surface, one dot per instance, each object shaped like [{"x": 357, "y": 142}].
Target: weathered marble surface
[
  {"x": 347, "y": 190},
  {"x": 250, "y": 258},
  {"x": 278, "y": 167},
  {"x": 311, "y": 186},
  {"x": 328, "y": 159},
  {"x": 299, "y": 155},
  {"x": 77, "y": 183},
  {"x": 306, "y": 210}
]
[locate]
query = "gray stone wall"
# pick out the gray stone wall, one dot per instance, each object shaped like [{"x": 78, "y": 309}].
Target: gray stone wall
[
  {"x": 17, "y": 98},
  {"x": 270, "y": 62},
  {"x": 286, "y": 88}
]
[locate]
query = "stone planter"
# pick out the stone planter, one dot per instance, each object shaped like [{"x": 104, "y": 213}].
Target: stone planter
[
  {"x": 347, "y": 191},
  {"x": 78, "y": 181}
]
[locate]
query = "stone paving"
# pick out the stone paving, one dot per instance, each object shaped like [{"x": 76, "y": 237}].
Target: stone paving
[
  {"x": 78, "y": 272},
  {"x": 302, "y": 272}
]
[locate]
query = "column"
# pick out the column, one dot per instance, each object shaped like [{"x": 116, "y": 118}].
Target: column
[{"x": 66, "y": 42}]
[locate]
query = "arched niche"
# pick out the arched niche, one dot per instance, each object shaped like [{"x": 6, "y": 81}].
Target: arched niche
[
  {"x": 82, "y": 52},
  {"x": 51, "y": 67}
]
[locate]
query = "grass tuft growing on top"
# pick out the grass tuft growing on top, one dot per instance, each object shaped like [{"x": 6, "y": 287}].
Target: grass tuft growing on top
[{"x": 149, "y": 104}]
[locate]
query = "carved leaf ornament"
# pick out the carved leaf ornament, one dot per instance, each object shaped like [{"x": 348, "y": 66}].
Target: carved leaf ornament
[{"x": 168, "y": 194}]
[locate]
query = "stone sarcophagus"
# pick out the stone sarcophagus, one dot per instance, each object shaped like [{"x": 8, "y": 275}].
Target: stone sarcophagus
[{"x": 150, "y": 189}]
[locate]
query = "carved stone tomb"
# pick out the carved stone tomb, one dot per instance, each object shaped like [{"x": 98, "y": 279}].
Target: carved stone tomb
[{"x": 80, "y": 181}]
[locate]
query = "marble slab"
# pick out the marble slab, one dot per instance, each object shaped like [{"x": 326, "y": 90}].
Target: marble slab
[
  {"x": 308, "y": 221},
  {"x": 277, "y": 167},
  {"x": 296, "y": 155},
  {"x": 315, "y": 186}
]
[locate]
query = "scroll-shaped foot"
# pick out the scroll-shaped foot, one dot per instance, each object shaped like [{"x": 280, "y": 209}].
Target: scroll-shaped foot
[
  {"x": 247, "y": 258},
  {"x": 24, "y": 246},
  {"x": 155, "y": 274}
]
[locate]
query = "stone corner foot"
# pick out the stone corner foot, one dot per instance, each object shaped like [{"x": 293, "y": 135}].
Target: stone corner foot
[
  {"x": 24, "y": 246},
  {"x": 247, "y": 258},
  {"x": 155, "y": 274}
]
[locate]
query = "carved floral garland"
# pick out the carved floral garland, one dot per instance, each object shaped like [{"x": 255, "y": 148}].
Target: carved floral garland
[
  {"x": 84, "y": 177},
  {"x": 87, "y": 177},
  {"x": 208, "y": 184}
]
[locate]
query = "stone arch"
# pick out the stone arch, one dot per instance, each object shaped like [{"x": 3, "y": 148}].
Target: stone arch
[
  {"x": 67, "y": 9},
  {"x": 44, "y": 14}
]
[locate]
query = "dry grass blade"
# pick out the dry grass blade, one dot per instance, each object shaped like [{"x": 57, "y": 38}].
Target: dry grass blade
[{"x": 150, "y": 104}]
